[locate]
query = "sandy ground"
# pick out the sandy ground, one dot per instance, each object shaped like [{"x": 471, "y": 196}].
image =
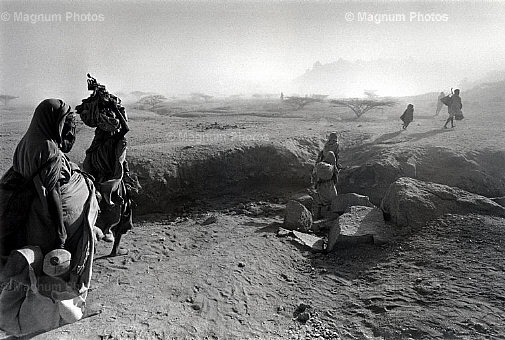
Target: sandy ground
[
  {"x": 481, "y": 129},
  {"x": 236, "y": 279}
]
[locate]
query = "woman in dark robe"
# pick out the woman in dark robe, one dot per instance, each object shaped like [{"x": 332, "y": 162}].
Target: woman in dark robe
[
  {"x": 106, "y": 162},
  {"x": 47, "y": 204},
  {"x": 326, "y": 186},
  {"x": 44, "y": 171},
  {"x": 408, "y": 116}
]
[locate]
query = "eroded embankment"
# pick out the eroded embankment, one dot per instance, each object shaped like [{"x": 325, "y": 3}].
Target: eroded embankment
[
  {"x": 188, "y": 175},
  {"x": 370, "y": 172},
  {"x": 171, "y": 178}
]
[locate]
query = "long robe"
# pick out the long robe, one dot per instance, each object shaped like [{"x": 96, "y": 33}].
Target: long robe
[
  {"x": 326, "y": 189},
  {"x": 408, "y": 116},
  {"x": 106, "y": 162},
  {"x": 40, "y": 163},
  {"x": 455, "y": 106}
]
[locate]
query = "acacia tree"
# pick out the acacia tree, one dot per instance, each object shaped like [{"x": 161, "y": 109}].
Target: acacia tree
[
  {"x": 320, "y": 96},
  {"x": 152, "y": 100},
  {"x": 270, "y": 95},
  {"x": 362, "y": 106},
  {"x": 140, "y": 94},
  {"x": 370, "y": 93},
  {"x": 5, "y": 98},
  {"x": 264, "y": 95},
  {"x": 199, "y": 96},
  {"x": 120, "y": 94},
  {"x": 300, "y": 102}
]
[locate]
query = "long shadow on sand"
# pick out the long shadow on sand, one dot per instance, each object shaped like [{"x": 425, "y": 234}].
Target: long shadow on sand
[
  {"x": 417, "y": 136},
  {"x": 412, "y": 137},
  {"x": 386, "y": 137}
]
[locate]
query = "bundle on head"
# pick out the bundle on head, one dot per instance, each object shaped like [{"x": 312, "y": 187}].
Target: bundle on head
[{"x": 101, "y": 108}]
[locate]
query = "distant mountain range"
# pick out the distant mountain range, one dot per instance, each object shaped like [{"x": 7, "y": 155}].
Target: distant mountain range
[
  {"x": 484, "y": 92},
  {"x": 490, "y": 92},
  {"x": 388, "y": 77}
]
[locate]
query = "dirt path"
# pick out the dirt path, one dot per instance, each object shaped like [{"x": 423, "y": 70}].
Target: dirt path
[{"x": 236, "y": 279}]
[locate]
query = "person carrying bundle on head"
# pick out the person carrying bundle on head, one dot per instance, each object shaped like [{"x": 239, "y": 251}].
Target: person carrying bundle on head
[{"x": 106, "y": 161}]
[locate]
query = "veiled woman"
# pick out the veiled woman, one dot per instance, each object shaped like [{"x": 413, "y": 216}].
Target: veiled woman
[
  {"x": 47, "y": 204},
  {"x": 408, "y": 116}
]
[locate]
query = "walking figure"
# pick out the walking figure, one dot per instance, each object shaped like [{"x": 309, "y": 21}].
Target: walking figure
[
  {"x": 454, "y": 108},
  {"x": 408, "y": 116},
  {"x": 106, "y": 161}
]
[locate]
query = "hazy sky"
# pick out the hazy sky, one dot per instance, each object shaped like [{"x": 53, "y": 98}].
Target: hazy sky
[{"x": 226, "y": 47}]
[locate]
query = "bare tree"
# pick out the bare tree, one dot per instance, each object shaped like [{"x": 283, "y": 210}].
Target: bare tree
[
  {"x": 152, "y": 100},
  {"x": 199, "y": 96},
  {"x": 270, "y": 95},
  {"x": 140, "y": 94},
  {"x": 300, "y": 102},
  {"x": 320, "y": 96},
  {"x": 370, "y": 93},
  {"x": 362, "y": 106},
  {"x": 121, "y": 94},
  {"x": 5, "y": 98}
]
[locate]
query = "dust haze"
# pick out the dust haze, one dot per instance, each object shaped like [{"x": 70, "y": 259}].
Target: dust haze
[
  {"x": 307, "y": 215},
  {"x": 245, "y": 47}
]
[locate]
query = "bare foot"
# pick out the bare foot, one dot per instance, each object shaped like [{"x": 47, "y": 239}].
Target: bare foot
[
  {"x": 108, "y": 237},
  {"x": 119, "y": 252}
]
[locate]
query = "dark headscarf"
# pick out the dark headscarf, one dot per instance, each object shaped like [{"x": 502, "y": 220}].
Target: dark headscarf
[
  {"x": 39, "y": 147},
  {"x": 330, "y": 145}
]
